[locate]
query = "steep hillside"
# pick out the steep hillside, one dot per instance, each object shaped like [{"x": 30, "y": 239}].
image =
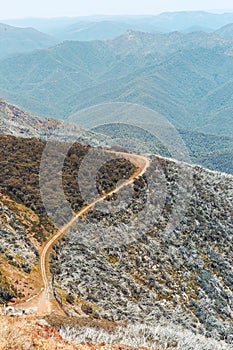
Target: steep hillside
[
  {"x": 160, "y": 258},
  {"x": 211, "y": 151},
  {"x": 185, "y": 77},
  {"x": 38, "y": 334},
  {"x": 226, "y": 31},
  {"x": 152, "y": 260},
  {"x": 20, "y": 172},
  {"x": 20, "y": 233},
  {"x": 25, "y": 224},
  {"x": 15, "y": 40},
  {"x": 15, "y": 121}
]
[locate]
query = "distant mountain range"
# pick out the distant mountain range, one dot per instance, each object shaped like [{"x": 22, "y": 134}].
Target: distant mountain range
[
  {"x": 155, "y": 271},
  {"x": 226, "y": 31},
  {"x": 186, "y": 77},
  {"x": 108, "y": 27},
  {"x": 17, "y": 40}
]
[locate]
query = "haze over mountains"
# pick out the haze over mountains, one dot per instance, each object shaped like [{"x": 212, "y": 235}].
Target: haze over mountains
[
  {"x": 17, "y": 40},
  {"x": 211, "y": 151},
  {"x": 154, "y": 270},
  {"x": 107, "y": 27},
  {"x": 185, "y": 77}
]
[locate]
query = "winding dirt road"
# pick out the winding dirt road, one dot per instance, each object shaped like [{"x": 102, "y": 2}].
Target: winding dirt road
[{"x": 45, "y": 305}]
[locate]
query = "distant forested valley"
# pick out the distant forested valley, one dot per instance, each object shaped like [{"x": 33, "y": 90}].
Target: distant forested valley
[{"x": 180, "y": 70}]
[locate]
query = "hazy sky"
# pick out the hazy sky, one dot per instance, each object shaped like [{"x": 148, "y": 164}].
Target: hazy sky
[{"x": 59, "y": 8}]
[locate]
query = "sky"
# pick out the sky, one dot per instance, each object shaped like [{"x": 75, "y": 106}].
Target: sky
[{"x": 61, "y": 8}]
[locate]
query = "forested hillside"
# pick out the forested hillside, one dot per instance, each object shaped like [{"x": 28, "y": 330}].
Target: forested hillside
[
  {"x": 116, "y": 186},
  {"x": 185, "y": 77},
  {"x": 15, "y": 40},
  {"x": 211, "y": 151}
]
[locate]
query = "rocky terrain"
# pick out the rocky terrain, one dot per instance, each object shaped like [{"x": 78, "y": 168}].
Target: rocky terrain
[
  {"x": 14, "y": 242},
  {"x": 38, "y": 334},
  {"x": 166, "y": 253},
  {"x": 19, "y": 255},
  {"x": 157, "y": 254},
  {"x": 33, "y": 333},
  {"x": 24, "y": 222},
  {"x": 211, "y": 151},
  {"x": 15, "y": 121}
]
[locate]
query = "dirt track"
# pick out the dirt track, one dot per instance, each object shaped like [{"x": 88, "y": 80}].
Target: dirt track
[{"x": 44, "y": 304}]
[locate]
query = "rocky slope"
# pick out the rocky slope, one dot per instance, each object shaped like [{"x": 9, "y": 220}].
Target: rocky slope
[
  {"x": 162, "y": 252},
  {"x": 15, "y": 121},
  {"x": 24, "y": 222},
  {"x": 211, "y": 151},
  {"x": 37, "y": 334},
  {"x": 19, "y": 276},
  {"x": 14, "y": 242},
  {"x": 165, "y": 253}
]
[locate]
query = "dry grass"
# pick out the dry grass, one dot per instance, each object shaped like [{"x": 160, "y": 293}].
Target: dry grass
[
  {"x": 59, "y": 322},
  {"x": 28, "y": 334}
]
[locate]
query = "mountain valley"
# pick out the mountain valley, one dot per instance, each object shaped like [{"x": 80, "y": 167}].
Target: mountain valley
[{"x": 116, "y": 187}]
